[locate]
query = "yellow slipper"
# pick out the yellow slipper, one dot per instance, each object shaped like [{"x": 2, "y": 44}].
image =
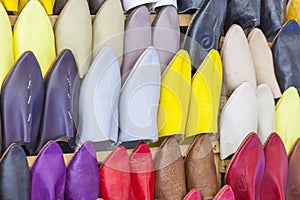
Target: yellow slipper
[
  {"x": 174, "y": 96},
  {"x": 205, "y": 96},
  {"x": 288, "y": 117},
  {"x": 11, "y": 5},
  {"x": 33, "y": 32},
  {"x": 6, "y": 47},
  {"x": 293, "y": 10},
  {"x": 48, "y": 5}
]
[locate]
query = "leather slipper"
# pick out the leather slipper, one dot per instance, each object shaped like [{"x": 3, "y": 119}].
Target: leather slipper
[
  {"x": 98, "y": 101},
  {"x": 238, "y": 119},
  {"x": 237, "y": 60},
  {"x": 21, "y": 110},
  {"x": 193, "y": 195},
  {"x": 11, "y": 5},
  {"x": 48, "y": 173},
  {"x": 73, "y": 30},
  {"x": 293, "y": 10},
  {"x": 205, "y": 97},
  {"x": 139, "y": 99},
  {"x": 175, "y": 96},
  {"x": 246, "y": 170},
  {"x": 47, "y": 4},
  {"x": 128, "y": 5},
  {"x": 33, "y": 32},
  {"x": 107, "y": 31},
  {"x": 95, "y": 6},
  {"x": 60, "y": 114},
  {"x": 166, "y": 35},
  {"x": 83, "y": 180},
  {"x": 58, "y": 6},
  {"x": 226, "y": 193}
]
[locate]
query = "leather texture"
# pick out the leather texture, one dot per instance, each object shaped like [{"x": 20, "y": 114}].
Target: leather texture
[
  {"x": 193, "y": 194},
  {"x": 175, "y": 96},
  {"x": 287, "y": 117},
  {"x": 10, "y": 5},
  {"x": 73, "y": 30},
  {"x": 205, "y": 96},
  {"x": 189, "y": 6},
  {"x": 21, "y": 110},
  {"x": 200, "y": 168},
  {"x": 107, "y": 31},
  {"x": 139, "y": 99},
  {"x": 47, "y": 4},
  {"x": 266, "y": 112},
  {"x": 205, "y": 30},
  {"x": 166, "y": 35},
  {"x": 115, "y": 179},
  {"x": 286, "y": 57},
  {"x": 58, "y": 6},
  {"x": 142, "y": 173},
  {"x": 160, "y": 3},
  {"x": 226, "y": 193},
  {"x": 237, "y": 60},
  {"x": 33, "y": 32},
  {"x": 83, "y": 180},
  {"x": 244, "y": 13},
  {"x": 271, "y": 15},
  {"x": 15, "y": 181},
  {"x": 293, "y": 10},
  {"x": 238, "y": 119},
  {"x": 130, "y": 4},
  {"x": 6, "y": 40},
  {"x": 60, "y": 114},
  {"x": 95, "y": 5},
  {"x": 48, "y": 173},
  {"x": 276, "y": 171},
  {"x": 246, "y": 169},
  {"x": 293, "y": 184},
  {"x": 99, "y": 98},
  {"x": 169, "y": 171},
  {"x": 137, "y": 37},
  {"x": 263, "y": 61}
]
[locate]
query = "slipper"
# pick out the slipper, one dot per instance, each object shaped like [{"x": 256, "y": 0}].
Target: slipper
[
  {"x": 285, "y": 49},
  {"x": 14, "y": 174},
  {"x": 293, "y": 10},
  {"x": 263, "y": 61},
  {"x": 205, "y": 97},
  {"x": 225, "y": 193},
  {"x": 33, "y": 32},
  {"x": 11, "y": 5},
  {"x": 193, "y": 195},
  {"x": 160, "y": 3},
  {"x": 200, "y": 168},
  {"x": 98, "y": 101},
  {"x": 246, "y": 170},
  {"x": 189, "y": 6},
  {"x": 166, "y": 35},
  {"x": 83, "y": 180},
  {"x": 137, "y": 38},
  {"x": 48, "y": 173},
  {"x": 128, "y": 5},
  {"x": 272, "y": 15},
  {"x": 6, "y": 49},
  {"x": 238, "y": 119},
  {"x": 244, "y": 13},
  {"x": 115, "y": 183},
  {"x": 142, "y": 173},
  {"x": 205, "y": 30},
  {"x": 21, "y": 110},
  {"x": 266, "y": 112},
  {"x": 276, "y": 171},
  {"x": 58, "y": 6},
  {"x": 47, "y": 4},
  {"x": 287, "y": 117},
  {"x": 73, "y": 30},
  {"x": 175, "y": 96},
  {"x": 139, "y": 99},
  {"x": 107, "y": 31},
  {"x": 293, "y": 184},
  {"x": 237, "y": 60},
  {"x": 95, "y": 5},
  {"x": 169, "y": 171},
  {"x": 60, "y": 115}
]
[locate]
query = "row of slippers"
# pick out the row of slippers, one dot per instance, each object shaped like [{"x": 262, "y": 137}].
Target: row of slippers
[
  {"x": 255, "y": 172},
  {"x": 119, "y": 176}
]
